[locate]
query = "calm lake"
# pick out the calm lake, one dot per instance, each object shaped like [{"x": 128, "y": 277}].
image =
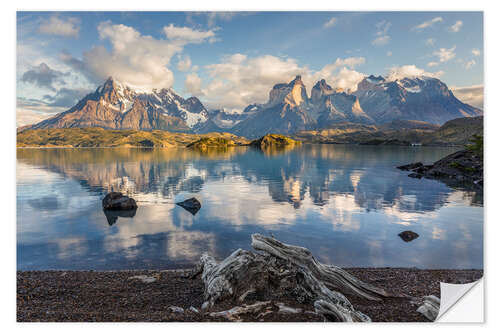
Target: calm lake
[{"x": 345, "y": 203}]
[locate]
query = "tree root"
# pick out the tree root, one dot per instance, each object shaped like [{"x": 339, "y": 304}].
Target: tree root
[{"x": 282, "y": 270}]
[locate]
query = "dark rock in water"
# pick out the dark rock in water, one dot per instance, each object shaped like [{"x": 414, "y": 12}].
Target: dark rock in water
[
  {"x": 411, "y": 166},
  {"x": 118, "y": 201},
  {"x": 113, "y": 215},
  {"x": 415, "y": 175},
  {"x": 408, "y": 235},
  {"x": 192, "y": 205}
]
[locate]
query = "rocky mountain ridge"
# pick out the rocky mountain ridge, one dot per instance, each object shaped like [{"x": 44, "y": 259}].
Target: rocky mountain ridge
[
  {"x": 114, "y": 105},
  {"x": 288, "y": 110}
]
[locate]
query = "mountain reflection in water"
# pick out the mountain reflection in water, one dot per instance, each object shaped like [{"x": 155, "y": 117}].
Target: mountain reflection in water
[{"x": 346, "y": 203}]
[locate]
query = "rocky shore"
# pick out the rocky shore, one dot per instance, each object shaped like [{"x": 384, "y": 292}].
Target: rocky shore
[
  {"x": 155, "y": 296},
  {"x": 463, "y": 168}
]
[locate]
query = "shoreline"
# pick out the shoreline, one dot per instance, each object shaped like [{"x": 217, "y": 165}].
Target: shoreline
[
  {"x": 248, "y": 145},
  {"x": 147, "y": 295}
]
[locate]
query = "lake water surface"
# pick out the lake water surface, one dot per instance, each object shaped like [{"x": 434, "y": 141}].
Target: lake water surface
[{"x": 345, "y": 203}]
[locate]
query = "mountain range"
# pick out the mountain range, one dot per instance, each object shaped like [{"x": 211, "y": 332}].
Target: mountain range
[{"x": 289, "y": 109}]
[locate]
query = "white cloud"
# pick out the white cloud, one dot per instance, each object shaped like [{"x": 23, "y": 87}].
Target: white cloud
[
  {"x": 346, "y": 79},
  {"x": 389, "y": 53},
  {"x": 184, "y": 64},
  {"x": 382, "y": 40},
  {"x": 28, "y": 117},
  {"x": 240, "y": 80},
  {"x": 472, "y": 95},
  {"x": 470, "y": 63},
  {"x": 339, "y": 74},
  {"x": 186, "y": 35},
  {"x": 330, "y": 23},
  {"x": 429, "y": 23},
  {"x": 192, "y": 84},
  {"x": 457, "y": 26},
  {"x": 138, "y": 60},
  {"x": 400, "y": 72},
  {"x": 476, "y": 52},
  {"x": 430, "y": 41},
  {"x": 445, "y": 54},
  {"x": 432, "y": 64},
  {"x": 65, "y": 27},
  {"x": 382, "y": 36}
]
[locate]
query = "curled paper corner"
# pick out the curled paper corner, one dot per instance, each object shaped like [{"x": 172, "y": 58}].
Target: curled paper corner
[{"x": 459, "y": 304}]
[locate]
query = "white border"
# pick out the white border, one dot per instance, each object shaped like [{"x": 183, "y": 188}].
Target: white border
[{"x": 492, "y": 125}]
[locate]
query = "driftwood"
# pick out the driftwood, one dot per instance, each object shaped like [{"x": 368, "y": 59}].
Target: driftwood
[
  {"x": 235, "y": 313},
  {"x": 430, "y": 308},
  {"x": 284, "y": 270},
  {"x": 332, "y": 276}
]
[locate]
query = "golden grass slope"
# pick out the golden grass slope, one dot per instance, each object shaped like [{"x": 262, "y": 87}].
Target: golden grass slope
[{"x": 98, "y": 137}]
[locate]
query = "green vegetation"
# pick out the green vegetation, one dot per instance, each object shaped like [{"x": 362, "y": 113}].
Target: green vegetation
[
  {"x": 210, "y": 142},
  {"x": 477, "y": 144},
  {"x": 458, "y": 166},
  {"x": 98, "y": 137},
  {"x": 455, "y": 132},
  {"x": 274, "y": 140}
]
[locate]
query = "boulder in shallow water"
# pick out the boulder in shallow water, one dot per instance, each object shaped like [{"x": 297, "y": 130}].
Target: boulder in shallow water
[
  {"x": 118, "y": 201},
  {"x": 113, "y": 215},
  {"x": 192, "y": 205},
  {"x": 408, "y": 235}
]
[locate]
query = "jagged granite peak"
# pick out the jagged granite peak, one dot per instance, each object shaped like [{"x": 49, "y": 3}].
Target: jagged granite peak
[
  {"x": 319, "y": 90},
  {"x": 292, "y": 93},
  {"x": 340, "y": 107},
  {"x": 290, "y": 110}
]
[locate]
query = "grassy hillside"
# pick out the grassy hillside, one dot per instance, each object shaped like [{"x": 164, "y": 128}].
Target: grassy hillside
[
  {"x": 454, "y": 132},
  {"x": 213, "y": 142},
  {"x": 458, "y": 131},
  {"x": 98, "y": 137},
  {"x": 274, "y": 140}
]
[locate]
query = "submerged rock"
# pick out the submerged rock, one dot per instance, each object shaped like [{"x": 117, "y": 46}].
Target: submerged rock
[
  {"x": 118, "y": 201},
  {"x": 192, "y": 205},
  {"x": 113, "y": 215},
  {"x": 408, "y": 235}
]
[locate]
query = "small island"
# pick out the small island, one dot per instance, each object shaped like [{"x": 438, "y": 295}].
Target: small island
[
  {"x": 208, "y": 142},
  {"x": 274, "y": 141}
]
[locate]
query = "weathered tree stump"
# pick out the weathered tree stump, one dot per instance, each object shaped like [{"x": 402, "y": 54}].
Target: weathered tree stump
[{"x": 282, "y": 269}]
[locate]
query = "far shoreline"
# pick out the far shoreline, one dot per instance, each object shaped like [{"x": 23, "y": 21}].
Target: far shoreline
[{"x": 185, "y": 147}]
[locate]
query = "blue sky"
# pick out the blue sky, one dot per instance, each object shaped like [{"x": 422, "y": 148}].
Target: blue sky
[{"x": 232, "y": 59}]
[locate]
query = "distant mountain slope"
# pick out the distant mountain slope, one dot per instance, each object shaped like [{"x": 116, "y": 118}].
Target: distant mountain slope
[
  {"x": 458, "y": 131},
  {"x": 454, "y": 132},
  {"x": 418, "y": 98},
  {"x": 116, "y": 106}
]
